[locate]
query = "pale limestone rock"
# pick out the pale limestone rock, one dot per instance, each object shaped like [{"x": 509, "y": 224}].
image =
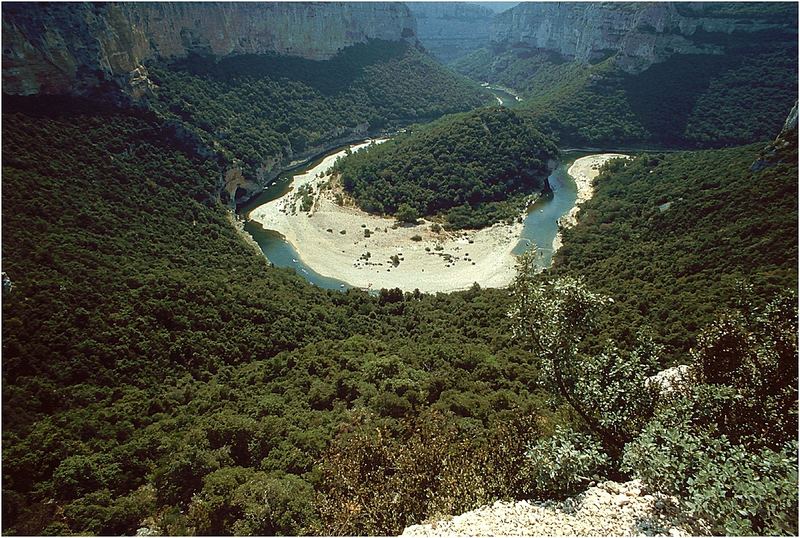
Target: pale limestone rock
[{"x": 69, "y": 47}]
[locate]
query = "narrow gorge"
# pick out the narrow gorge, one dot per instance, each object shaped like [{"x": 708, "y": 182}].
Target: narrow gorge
[{"x": 338, "y": 268}]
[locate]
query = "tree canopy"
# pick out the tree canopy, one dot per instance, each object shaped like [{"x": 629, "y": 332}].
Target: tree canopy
[{"x": 472, "y": 169}]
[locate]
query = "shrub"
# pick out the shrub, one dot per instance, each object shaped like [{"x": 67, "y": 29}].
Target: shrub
[
  {"x": 564, "y": 464},
  {"x": 377, "y": 481},
  {"x": 407, "y": 214},
  {"x": 733, "y": 491}
]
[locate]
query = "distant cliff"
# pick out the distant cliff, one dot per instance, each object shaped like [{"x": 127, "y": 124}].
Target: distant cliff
[
  {"x": 74, "y": 48},
  {"x": 451, "y": 29},
  {"x": 637, "y": 34}
]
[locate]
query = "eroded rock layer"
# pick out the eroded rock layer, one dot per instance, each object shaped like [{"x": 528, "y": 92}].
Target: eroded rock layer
[
  {"x": 638, "y": 34},
  {"x": 73, "y": 48}
]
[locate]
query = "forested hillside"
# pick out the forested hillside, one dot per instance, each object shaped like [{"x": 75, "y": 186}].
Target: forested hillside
[
  {"x": 673, "y": 237},
  {"x": 161, "y": 376},
  {"x": 156, "y": 370},
  {"x": 158, "y": 373},
  {"x": 472, "y": 169},
  {"x": 258, "y": 109},
  {"x": 687, "y": 101}
]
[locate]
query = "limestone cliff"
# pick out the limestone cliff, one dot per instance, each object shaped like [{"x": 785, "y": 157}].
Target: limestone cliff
[
  {"x": 636, "y": 34},
  {"x": 451, "y": 29},
  {"x": 75, "y": 48}
]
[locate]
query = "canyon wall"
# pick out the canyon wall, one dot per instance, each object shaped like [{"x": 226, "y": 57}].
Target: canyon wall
[
  {"x": 75, "y": 48},
  {"x": 636, "y": 34},
  {"x": 449, "y": 30}
]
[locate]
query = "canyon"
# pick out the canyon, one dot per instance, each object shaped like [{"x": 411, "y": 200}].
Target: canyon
[
  {"x": 62, "y": 48},
  {"x": 638, "y": 34}
]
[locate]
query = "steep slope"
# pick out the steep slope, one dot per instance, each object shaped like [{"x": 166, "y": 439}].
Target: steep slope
[
  {"x": 263, "y": 112},
  {"x": 259, "y": 85},
  {"x": 637, "y": 35},
  {"x": 450, "y": 30},
  {"x": 473, "y": 169},
  {"x": 157, "y": 372},
  {"x": 670, "y": 236},
  {"x": 73, "y": 48},
  {"x": 685, "y": 75}
]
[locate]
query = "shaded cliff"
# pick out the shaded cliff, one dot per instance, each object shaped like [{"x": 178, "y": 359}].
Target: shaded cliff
[
  {"x": 665, "y": 74},
  {"x": 450, "y": 30},
  {"x": 75, "y": 48},
  {"x": 635, "y": 34},
  {"x": 783, "y": 148}
]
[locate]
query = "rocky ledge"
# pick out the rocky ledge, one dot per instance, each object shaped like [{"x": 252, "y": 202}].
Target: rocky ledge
[{"x": 609, "y": 509}]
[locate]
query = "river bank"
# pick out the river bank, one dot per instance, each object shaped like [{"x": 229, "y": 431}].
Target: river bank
[
  {"x": 373, "y": 252},
  {"x": 333, "y": 238},
  {"x": 583, "y": 171}
]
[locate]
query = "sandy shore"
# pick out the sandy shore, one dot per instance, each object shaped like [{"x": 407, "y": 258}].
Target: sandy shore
[
  {"x": 332, "y": 240},
  {"x": 583, "y": 171},
  {"x": 339, "y": 240}
]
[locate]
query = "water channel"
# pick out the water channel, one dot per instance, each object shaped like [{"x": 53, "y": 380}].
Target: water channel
[{"x": 539, "y": 229}]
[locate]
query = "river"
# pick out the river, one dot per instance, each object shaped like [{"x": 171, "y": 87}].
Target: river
[
  {"x": 539, "y": 228},
  {"x": 503, "y": 96}
]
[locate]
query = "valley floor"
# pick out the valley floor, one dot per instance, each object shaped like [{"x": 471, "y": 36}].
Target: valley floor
[{"x": 330, "y": 238}]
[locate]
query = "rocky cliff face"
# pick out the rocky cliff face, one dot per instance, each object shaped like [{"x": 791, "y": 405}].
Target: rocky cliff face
[
  {"x": 451, "y": 29},
  {"x": 636, "y": 34},
  {"x": 75, "y": 48},
  {"x": 783, "y": 148}
]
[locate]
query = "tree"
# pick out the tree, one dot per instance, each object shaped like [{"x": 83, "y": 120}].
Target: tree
[
  {"x": 725, "y": 443},
  {"x": 609, "y": 390},
  {"x": 407, "y": 214}
]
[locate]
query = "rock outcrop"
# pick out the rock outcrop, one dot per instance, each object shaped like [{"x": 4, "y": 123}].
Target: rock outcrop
[
  {"x": 72, "y": 48},
  {"x": 609, "y": 509},
  {"x": 783, "y": 148},
  {"x": 449, "y": 30},
  {"x": 636, "y": 34}
]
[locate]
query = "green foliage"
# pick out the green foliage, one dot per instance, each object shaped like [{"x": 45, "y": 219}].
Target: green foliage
[
  {"x": 756, "y": 353},
  {"x": 157, "y": 372},
  {"x": 262, "y": 109},
  {"x": 720, "y": 485},
  {"x": 670, "y": 237},
  {"x": 726, "y": 445},
  {"x": 608, "y": 389},
  {"x": 688, "y": 100},
  {"x": 407, "y": 214},
  {"x": 377, "y": 481},
  {"x": 474, "y": 168},
  {"x": 565, "y": 463},
  {"x": 247, "y": 502}
]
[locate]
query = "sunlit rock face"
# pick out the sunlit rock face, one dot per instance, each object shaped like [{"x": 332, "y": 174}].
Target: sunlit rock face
[
  {"x": 75, "y": 48},
  {"x": 636, "y": 34}
]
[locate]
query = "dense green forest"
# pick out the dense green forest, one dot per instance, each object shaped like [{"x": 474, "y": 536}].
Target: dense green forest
[
  {"x": 155, "y": 366},
  {"x": 671, "y": 237},
  {"x": 158, "y": 373},
  {"x": 687, "y": 101},
  {"x": 258, "y": 109},
  {"x": 473, "y": 169}
]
